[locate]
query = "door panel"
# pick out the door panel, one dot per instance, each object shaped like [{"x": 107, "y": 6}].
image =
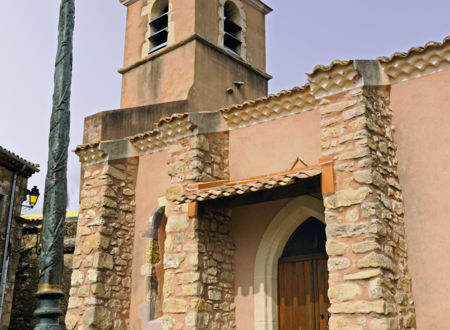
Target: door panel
[{"x": 302, "y": 292}]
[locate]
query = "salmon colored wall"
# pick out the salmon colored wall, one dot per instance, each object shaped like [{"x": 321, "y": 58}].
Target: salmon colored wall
[
  {"x": 151, "y": 184},
  {"x": 421, "y": 116},
  {"x": 207, "y": 20},
  {"x": 249, "y": 224},
  {"x": 272, "y": 146},
  {"x": 183, "y": 18},
  {"x": 136, "y": 27},
  {"x": 164, "y": 79},
  {"x": 255, "y": 37}
]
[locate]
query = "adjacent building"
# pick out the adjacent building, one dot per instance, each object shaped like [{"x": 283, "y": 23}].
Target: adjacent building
[
  {"x": 319, "y": 207},
  {"x": 14, "y": 174}
]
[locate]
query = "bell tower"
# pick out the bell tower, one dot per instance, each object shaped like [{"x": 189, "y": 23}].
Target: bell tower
[{"x": 203, "y": 54}]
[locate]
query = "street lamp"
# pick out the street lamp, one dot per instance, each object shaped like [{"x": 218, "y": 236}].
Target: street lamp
[{"x": 33, "y": 196}]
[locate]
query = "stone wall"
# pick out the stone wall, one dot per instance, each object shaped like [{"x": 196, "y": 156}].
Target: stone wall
[
  {"x": 369, "y": 284},
  {"x": 6, "y": 178},
  {"x": 198, "y": 286},
  {"x": 101, "y": 278},
  {"x": 27, "y": 277}
]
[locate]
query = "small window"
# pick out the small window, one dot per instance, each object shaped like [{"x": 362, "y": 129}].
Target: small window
[
  {"x": 232, "y": 30},
  {"x": 159, "y": 26}
]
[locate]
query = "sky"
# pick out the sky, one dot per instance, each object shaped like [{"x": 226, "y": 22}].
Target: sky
[{"x": 300, "y": 34}]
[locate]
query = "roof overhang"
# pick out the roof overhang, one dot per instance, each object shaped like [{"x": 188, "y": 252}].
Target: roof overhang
[{"x": 316, "y": 179}]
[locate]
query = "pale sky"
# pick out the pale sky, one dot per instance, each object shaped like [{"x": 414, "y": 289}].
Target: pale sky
[{"x": 300, "y": 34}]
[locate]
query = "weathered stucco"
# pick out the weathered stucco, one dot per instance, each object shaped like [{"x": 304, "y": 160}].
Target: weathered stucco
[{"x": 422, "y": 124}]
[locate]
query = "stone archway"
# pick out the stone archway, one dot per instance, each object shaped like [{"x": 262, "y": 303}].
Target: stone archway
[{"x": 265, "y": 280}]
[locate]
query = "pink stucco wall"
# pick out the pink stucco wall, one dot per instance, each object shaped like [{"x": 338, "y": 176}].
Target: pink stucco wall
[
  {"x": 272, "y": 146},
  {"x": 421, "y": 116},
  {"x": 249, "y": 224},
  {"x": 151, "y": 184}
]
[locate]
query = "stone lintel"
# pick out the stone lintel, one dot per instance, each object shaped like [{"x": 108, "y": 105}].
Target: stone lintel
[
  {"x": 208, "y": 122},
  {"x": 118, "y": 149}
]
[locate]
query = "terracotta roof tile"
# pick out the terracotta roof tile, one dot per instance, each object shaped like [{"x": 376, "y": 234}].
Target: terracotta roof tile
[
  {"x": 87, "y": 146},
  {"x": 329, "y": 67},
  {"x": 226, "y": 188},
  {"x": 415, "y": 50},
  {"x": 265, "y": 99},
  {"x": 171, "y": 118},
  {"x": 11, "y": 159}
]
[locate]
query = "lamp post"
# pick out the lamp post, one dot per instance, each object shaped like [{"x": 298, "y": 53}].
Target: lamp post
[{"x": 55, "y": 197}]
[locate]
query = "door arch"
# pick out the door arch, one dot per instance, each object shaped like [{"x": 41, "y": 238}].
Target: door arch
[{"x": 265, "y": 279}]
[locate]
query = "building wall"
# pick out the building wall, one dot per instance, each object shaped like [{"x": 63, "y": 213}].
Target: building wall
[
  {"x": 422, "y": 126},
  {"x": 27, "y": 279},
  {"x": 272, "y": 146},
  {"x": 6, "y": 178},
  {"x": 248, "y": 225},
  {"x": 151, "y": 183}
]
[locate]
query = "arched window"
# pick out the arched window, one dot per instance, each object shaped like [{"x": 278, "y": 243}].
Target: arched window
[
  {"x": 159, "y": 25},
  {"x": 232, "y": 39}
]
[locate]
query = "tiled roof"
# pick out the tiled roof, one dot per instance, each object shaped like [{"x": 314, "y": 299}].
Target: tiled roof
[
  {"x": 415, "y": 50},
  {"x": 329, "y": 67},
  {"x": 226, "y": 188},
  {"x": 265, "y": 99},
  {"x": 15, "y": 162},
  {"x": 175, "y": 116}
]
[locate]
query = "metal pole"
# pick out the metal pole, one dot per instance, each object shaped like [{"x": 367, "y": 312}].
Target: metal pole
[
  {"x": 5, "y": 262},
  {"x": 55, "y": 198}
]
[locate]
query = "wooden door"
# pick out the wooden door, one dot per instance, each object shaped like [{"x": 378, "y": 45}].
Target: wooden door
[{"x": 302, "y": 293}]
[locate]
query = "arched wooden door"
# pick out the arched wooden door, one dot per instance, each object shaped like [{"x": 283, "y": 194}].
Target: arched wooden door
[{"x": 303, "y": 279}]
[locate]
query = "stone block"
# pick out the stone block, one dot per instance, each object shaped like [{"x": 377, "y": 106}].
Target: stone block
[
  {"x": 336, "y": 107},
  {"x": 343, "y": 292},
  {"x": 359, "y": 307},
  {"x": 346, "y": 197},
  {"x": 173, "y": 260},
  {"x": 93, "y": 275},
  {"x": 355, "y": 112},
  {"x": 200, "y": 142},
  {"x": 77, "y": 277},
  {"x": 103, "y": 261},
  {"x": 114, "y": 172},
  {"x": 177, "y": 223},
  {"x": 362, "y": 275},
  {"x": 338, "y": 263},
  {"x": 71, "y": 320},
  {"x": 343, "y": 323},
  {"x": 346, "y": 230},
  {"x": 174, "y": 305},
  {"x": 189, "y": 277},
  {"x": 384, "y": 323},
  {"x": 355, "y": 154},
  {"x": 174, "y": 191},
  {"x": 194, "y": 289},
  {"x": 365, "y": 246},
  {"x": 335, "y": 248},
  {"x": 98, "y": 316},
  {"x": 376, "y": 260},
  {"x": 176, "y": 168}
]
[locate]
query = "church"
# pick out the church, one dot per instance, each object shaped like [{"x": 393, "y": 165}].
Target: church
[{"x": 207, "y": 204}]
